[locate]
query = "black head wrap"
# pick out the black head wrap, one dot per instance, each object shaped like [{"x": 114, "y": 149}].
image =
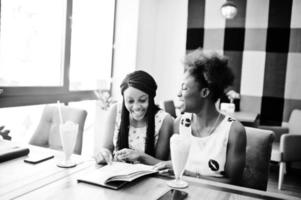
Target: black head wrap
[{"x": 140, "y": 80}]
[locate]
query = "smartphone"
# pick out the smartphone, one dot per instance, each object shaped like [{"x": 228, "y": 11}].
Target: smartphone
[
  {"x": 37, "y": 158},
  {"x": 174, "y": 195}
]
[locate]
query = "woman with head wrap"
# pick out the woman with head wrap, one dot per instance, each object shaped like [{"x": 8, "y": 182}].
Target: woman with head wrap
[{"x": 137, "y": 130}]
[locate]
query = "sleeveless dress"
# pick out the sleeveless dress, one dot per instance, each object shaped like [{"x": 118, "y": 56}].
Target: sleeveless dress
[
  {"x": 137, "y": 136},
  {"x": 207, "y": 154}
]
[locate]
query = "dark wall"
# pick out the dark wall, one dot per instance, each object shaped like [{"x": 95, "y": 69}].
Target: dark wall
[{"x": 263, "y": 44}]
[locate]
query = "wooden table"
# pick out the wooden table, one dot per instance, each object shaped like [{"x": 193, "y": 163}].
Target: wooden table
[
  {"x": 143, "y": 189},
  {"x": 18, "y": 178}
]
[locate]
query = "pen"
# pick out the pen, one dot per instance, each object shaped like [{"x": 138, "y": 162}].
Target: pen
[{"x": 163, "y": 171}]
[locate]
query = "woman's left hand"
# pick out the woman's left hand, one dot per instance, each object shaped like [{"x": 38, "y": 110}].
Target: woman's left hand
[
  {"x": 127, "y": 155},
  {"x": 163, "y": 165}
]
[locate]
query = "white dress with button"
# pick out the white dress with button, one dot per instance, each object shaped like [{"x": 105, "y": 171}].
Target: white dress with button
[{"x": 207, "y": 155}]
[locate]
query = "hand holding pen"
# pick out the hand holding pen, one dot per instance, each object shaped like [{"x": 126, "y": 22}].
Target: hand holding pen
[{"x": 128, "y": 155}]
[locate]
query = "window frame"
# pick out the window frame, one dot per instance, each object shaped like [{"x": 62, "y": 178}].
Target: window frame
[{"x": 23, "y": 96}]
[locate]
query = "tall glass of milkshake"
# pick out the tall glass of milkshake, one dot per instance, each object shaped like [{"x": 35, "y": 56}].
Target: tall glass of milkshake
[
  {"x": 68, "y": 132},
  {"x": 179, "y": 149}
]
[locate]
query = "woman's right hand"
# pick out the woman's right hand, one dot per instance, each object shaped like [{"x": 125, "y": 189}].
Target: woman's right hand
[{"x": 104, "y": 156}]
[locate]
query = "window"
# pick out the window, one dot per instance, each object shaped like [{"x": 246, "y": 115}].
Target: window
[
  {"x": 91, "y": 49},
  {"x": 31, "y": 42},
  {"x": 54, "y": 49}
]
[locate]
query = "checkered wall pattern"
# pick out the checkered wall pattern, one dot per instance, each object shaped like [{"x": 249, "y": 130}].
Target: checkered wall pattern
[{"x": 263, "y": 43}]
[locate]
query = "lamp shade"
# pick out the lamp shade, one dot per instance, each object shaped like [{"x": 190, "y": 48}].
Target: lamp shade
[{"x": 229, "y": 10}]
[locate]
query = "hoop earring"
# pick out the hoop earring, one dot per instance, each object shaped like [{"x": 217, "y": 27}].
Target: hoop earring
[{"x": 205, "y": 92}]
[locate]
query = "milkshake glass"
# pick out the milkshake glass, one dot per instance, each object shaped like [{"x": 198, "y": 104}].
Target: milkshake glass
[
  {"x": 68, "y": 133},
  {"x": 179, "y": 149}
]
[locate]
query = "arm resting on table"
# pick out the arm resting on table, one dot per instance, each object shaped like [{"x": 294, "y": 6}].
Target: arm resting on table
[{"x": 211, "y": 178}]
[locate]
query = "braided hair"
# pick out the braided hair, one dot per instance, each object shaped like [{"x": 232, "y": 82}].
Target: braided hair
[{"x": 143, "y": 81}]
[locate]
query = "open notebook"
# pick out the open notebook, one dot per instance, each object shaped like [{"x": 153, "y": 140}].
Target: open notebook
[
  {"x": 117, "y": 174},
  {"x": 9, "y": 150}
]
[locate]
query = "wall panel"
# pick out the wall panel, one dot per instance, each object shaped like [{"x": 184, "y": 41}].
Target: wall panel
[{"x": 263, "y": 43}]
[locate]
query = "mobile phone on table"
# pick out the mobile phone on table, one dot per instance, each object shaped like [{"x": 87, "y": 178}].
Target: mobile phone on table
[
  {"x": 174, "y": 194},
  {"x": 37, "y": 158}
]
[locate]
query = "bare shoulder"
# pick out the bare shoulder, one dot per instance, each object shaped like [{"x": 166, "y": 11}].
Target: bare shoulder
[
  {"x": 168, "y": 121},
  {"x": 168, "y": 118},
  {"x": 237, "y": 132}
]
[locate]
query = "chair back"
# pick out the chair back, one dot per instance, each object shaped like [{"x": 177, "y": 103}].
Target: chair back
[
  {"x": 170, "y": 108},
  {"x": 47, "y": 132},
  {"x": 294, "y": 122},
  {"x": 258, "y": 153}
]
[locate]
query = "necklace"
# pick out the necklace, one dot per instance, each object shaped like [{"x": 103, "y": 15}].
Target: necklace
[
  {"x": 212, "y": 128},
  {"x": 214, "y": 125}
]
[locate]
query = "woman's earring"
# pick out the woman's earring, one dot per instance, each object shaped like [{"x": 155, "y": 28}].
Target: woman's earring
[{"x": 205, "y": 92}]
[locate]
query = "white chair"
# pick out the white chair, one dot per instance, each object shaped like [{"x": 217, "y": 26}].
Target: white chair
[
  {"x": 47, "y": 132},
  {"x": 169, "y": 107},
  {"x": 287, "y": 144}
]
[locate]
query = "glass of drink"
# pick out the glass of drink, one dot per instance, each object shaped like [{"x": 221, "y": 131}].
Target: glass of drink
[
  {"x": 68, "y": 132},
  {"x": 179, "y": 149}
]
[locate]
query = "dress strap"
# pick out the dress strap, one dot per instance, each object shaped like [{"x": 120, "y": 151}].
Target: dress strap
[{"x": 185, "y": 124}]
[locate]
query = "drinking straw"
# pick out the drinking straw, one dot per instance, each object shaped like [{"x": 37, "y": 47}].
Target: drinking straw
[{"x": 60, "y": 112}]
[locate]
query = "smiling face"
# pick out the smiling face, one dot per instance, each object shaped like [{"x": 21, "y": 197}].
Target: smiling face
[
  {"x": 136, "y": 102},
  {"x": 190, "y": 94}
]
